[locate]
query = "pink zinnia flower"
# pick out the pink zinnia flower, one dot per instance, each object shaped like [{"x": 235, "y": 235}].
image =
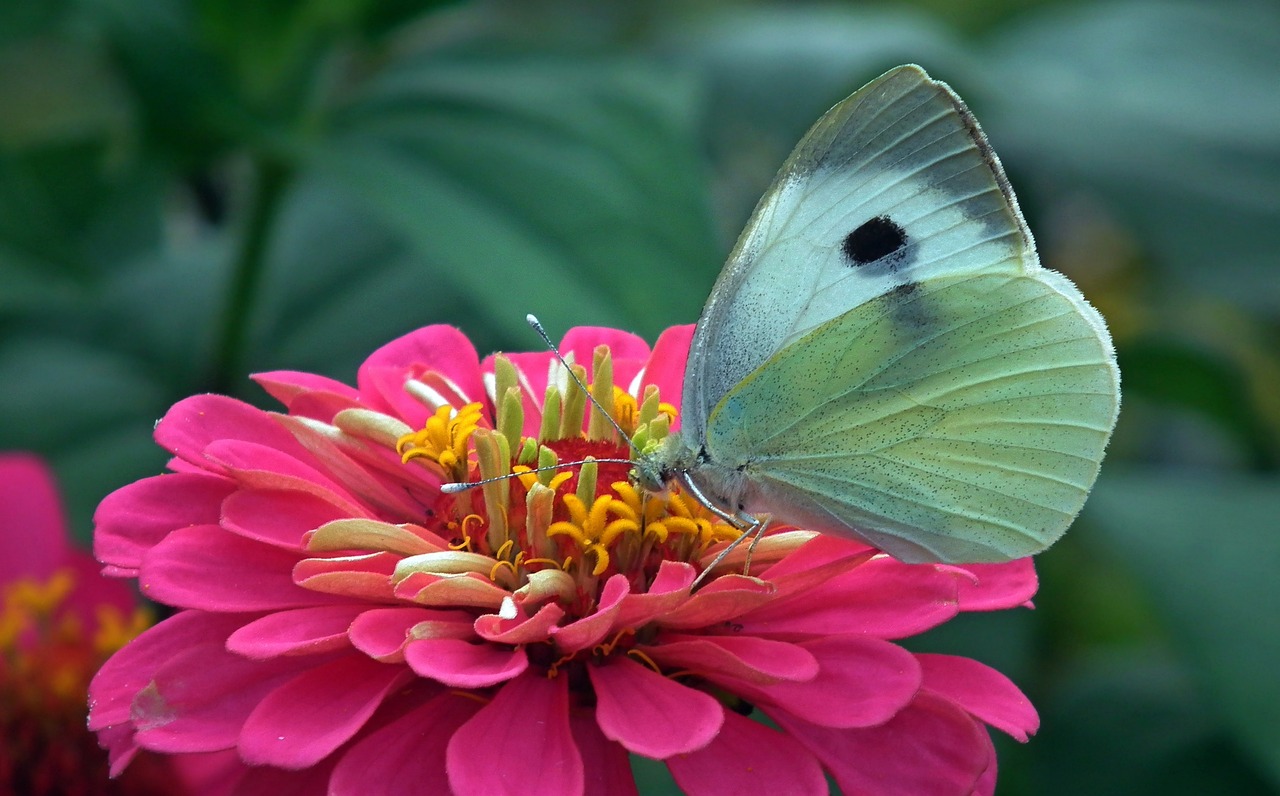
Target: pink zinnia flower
[
  {"x": 349, "y": 629},
  {"x": 59, "y": 620}
]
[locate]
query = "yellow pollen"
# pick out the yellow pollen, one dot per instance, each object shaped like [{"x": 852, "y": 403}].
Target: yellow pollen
[{"x": 443, "y": 439}]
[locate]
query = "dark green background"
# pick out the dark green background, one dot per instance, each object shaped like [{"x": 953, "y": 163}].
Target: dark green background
[{"x": 192, "y": 191}]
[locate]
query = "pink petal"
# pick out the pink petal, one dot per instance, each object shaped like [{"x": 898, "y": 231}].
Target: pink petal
[
  {"x": 406, "y": 756},
  {"x": 750, "y": 659},
  {"x": 667, "y": 363},
  {"x": 440, "y": 349},
  {"x": 814, "y": 563},
  {"x": 267, "y": 781},
  {"x": 382, "y": 633},
  {"x": 669, "y": 589},
  {"x": 301, "y": 631},
  {"x": 581, "y": 341},
  {"x": 207, "y": 568},
  {"x": 286, "y": 386},
  {"x": 984, "y": 692},
  {"x": 607, "y": 768},
  {"x": 999, "y": 586},
  {"x": 932, "y": 748},
  {"x": 649, "y": 714},
  {"x": 33, "y": 528},
  {"x": 303, "y": 721},
  {"x": 134, "y": 518},
  {"x": 266, "y": 467},
  {"x": 192, "y": 424},
  {"x": 749, "y": 758},
  {"x": 883, "y": 598},
  {"x": 862, "y": 682},
  {"x": 522, "y": 629},
  {"x": 520, "y": 744},
  {"x": 592, "y": 628},
  {"x": 463, "y": 664},
  {"x": 277, "y": 517}
]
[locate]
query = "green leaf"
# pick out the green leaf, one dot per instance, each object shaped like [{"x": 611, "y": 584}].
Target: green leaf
[{"x": 1205, "y": 546}]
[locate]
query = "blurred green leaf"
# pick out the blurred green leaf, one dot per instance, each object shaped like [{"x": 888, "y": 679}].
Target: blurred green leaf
[
  {"x": 1133, "y": 725},
  {"x": 1196, "y": 542}
]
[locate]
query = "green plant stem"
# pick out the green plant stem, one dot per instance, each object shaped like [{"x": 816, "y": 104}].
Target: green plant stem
[{"x": 246, "y": 276}]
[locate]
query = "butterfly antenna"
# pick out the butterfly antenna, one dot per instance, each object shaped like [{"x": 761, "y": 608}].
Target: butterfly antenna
[
  {"x": 533, "y": 321},
  {"x": 455, "y": 487}
]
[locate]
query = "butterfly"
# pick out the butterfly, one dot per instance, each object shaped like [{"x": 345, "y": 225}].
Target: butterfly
[{"x": 884, "y": 358}]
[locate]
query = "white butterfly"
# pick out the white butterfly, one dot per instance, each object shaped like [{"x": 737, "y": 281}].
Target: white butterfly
[{"x": 883, "y": 356}]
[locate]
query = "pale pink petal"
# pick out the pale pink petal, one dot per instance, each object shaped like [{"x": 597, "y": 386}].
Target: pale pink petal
[
  {"x": 277, "y": 517},
  {"x": 629, "y": 352},
  {"x": 134, "y": 518},
  {"x": 301, "y": 631},
  {"x": 999, "y": 586},
  {"x": 607, "y": 767},
  {"x": 207, "y": 568},
  {"x": 519, "y": 744},
  {"x": 931, "y": 748},
  {"x": 522, "y": 629},
  {"x": 382, "y": 633},
  {"x": 749, "y": 758},
  {"x": 746, "y": 658},
  {"x": 303, "y": 721},
  {"x": 463, "y": 664},
  {"x": 592, "y": 628},
  {"x": 862, "y": 682},
  {"x": 669, "y": 589},
  {"x": 32, "y": 525},
  {"x": 724, "y": 598},
  {"x": 365, "y": 577},
  {"x": 883, "y": 598},
  {"x": 192, "y": 424},
  {"x": 405, "y": 756},
  {"x": 981, "y": 690},
  {"x": 649, "y": 714}
]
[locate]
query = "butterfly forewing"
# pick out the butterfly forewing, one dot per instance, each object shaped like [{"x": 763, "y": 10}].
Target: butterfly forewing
[{"x": 894, "y": 185}]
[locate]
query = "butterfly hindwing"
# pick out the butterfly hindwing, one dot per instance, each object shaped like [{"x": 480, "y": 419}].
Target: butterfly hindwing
[{"x": 961, "y": 420}]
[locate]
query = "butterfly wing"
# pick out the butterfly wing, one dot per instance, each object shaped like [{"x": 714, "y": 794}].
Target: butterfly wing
[
  {"x": 883, "y": 356},
  {"x": 893, "y": 185}
]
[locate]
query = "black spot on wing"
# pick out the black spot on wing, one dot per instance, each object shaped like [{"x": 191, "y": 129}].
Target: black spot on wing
[{"x": 875, "y": 240}]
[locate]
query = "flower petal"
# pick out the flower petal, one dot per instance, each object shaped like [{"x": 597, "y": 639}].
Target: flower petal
[
  {"x": 33, "y": 528},
  {"x": 277, "y": 517},
  {"x": 724, "y": 598},
  {"x": 592, "y": 628},
  {"x": 405, "y": 756},
  {"x": 665, "y": 368},
  {"x": 649, "y": 714},
  {"x": 134, "y": 518},
  {"x": 749, "y": 758},
  {"x": 883, "y": 598},
  {"x": 522, "y": 629},
  {"x": 931, "y": 748},
  {"x": 999, "y": 586},
  {"x": 607, "y": 767},
  {"x": 465, "y": 664},
  {"x": 301, "y": 631},
  {"x": 981, "y": 690},
  {"x": 194, "y": 423},
  {"x": 382, "y": 633},
  {"x": 862, "y": 682},
  {"x": 746, "y": 658},
  {"x": 440, "y": 349},
  {"x": 303, "y": 721},
  {"x": 519, "y": 744},
  {"x": 207, "y": 568},
  {"x": 670, "y": 588}
]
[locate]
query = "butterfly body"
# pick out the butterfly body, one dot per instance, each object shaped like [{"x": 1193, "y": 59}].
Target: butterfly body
[{"x": 884, "y": 358}]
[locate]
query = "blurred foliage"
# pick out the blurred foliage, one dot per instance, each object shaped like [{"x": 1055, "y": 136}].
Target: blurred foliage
[{"x": 194, "y": 190}]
